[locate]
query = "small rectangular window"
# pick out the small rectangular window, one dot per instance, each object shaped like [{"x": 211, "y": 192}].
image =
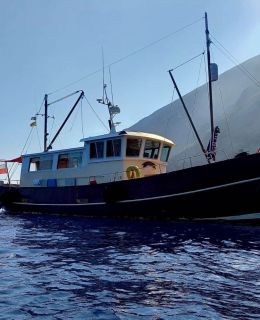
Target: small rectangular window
[
  {"x": 75, "y": 159},
  {"x": 113, "y": 148},
  {"x": 34, "y": 164},
  {"x": 151, "y": 149},
  {"x": 63, "y": 161},
  {"x": 96, "y": 150},
  {"x": 165, "y": 153},
  {"x": 133, "y": 147},
  {"x": 41, "y": 163},
  {"x": 46, "y": 162},
  {"x": 69, "y": 160}
]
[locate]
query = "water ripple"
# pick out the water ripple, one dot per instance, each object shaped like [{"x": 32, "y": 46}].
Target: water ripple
[{"x": 75, "y": 268}]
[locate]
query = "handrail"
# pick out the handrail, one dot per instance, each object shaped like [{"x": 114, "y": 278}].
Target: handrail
[
  {"x": 202, "y": 156},
  {"x": 121, "y": 175},
  {"x": 12, "y": 182}
]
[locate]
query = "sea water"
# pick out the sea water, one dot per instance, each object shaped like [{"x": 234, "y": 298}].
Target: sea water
[{"x": 60, "y": 267}]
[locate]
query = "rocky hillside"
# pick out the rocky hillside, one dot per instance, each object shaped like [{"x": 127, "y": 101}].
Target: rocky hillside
[{"x": 236, "y": 100}]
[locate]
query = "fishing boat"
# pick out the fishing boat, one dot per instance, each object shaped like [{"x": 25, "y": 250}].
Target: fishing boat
[{"x": 124, "y": 174}]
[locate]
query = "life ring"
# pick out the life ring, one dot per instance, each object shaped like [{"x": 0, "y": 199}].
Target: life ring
[
  {"x": 258, "y": 150},
  {"x": 133, "y": 172}
]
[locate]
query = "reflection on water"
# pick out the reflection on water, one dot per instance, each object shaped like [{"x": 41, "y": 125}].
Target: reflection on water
[{"x": 76, "y": 268}]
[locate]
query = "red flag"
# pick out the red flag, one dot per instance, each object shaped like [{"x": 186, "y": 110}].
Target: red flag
[
  {"x": 3, "y": 169},
  {"x": 19, "y": 160}
]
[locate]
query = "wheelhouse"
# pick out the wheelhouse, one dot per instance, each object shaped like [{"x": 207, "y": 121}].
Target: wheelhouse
[{"x": 105, "y": 158}]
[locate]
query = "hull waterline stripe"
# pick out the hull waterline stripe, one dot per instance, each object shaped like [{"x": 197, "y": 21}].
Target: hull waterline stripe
[
  {"x": 141, "y": 199},
  {"x": 248, "y": 216},
  {"x": 61, "y": 204},
  {"x": 194, "y": 191}
]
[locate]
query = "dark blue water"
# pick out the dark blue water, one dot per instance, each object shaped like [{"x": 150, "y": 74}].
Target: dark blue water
[{"x": 55, "y": 267}]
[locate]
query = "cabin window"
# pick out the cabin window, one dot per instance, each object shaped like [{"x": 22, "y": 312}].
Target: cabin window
[
  {"x": 151, "y": 149},
  {"x": 96, "y": 150},
  {"x": 34, "y": 164},
  {"x": 113, "y": 148},
  {"x": 133, "y": 147},
  {"x": 63, "y": 161},
  {"x": 45, "y": 163},
  {"x": 165, "y": 153},
  {"x": 69, "y": 160},
  {"x": 75, "y": 160}
]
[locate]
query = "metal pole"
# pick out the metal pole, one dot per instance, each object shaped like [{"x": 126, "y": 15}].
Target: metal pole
[
  {"x": 63, "y": 124},
  {"x": 45, "y": 122},
  {"x": 208, "y": 41},
  {"x": 188, "y": 115},
  {"x": 8, "y": 176}
]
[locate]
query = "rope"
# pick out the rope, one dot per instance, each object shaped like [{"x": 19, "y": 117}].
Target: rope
[
  {"x": 96, "y": 113},
  {"x": 110, "y": 77},
  {"x": 128, "y": 55},
  {"x": 182, "y": 64},
  {"x": 52, "y": 126},
  {"x": 39, "y": 141},
  {"x": 194, "y": 102},
  {"x": 236, "y": 63},
  {"x": 225, "y": 115},
  {"x": 63, "y": 98},
  {"x": 81, "y": 114}
]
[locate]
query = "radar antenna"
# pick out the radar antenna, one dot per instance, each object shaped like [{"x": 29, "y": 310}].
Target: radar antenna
[{"x": 112, "y": 108}]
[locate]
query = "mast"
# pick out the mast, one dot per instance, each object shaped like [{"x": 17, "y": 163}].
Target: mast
[
  {"x": 208, "y": 41},
  {"x": 46, "y": 105},
  {"x": 66, "y": 119},
  {"x": 112, "y": 109},
  {"x": 45, "y": 122}
]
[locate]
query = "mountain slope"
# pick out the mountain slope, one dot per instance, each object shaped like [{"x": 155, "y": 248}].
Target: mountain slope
[{"x": 236, "y": 100}]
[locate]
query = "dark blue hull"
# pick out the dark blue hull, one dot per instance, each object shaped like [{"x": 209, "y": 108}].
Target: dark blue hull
[{"x": 225, "y": 188}]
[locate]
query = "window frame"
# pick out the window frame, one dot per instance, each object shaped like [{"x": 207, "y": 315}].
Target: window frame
[
  {"x": 115, "y": 150},
  {"x": 36, "y": 162},
  {"x": 153, "y": 154},
  {"x": 139, "y": 144},
  {"x": 164, "y": 146},
  {"x": 71, "y": 157},
  {"x": 98, "y": 154}
]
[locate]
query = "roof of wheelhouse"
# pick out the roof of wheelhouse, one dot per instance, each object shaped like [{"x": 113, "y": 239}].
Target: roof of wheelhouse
[
  {"x": 104, "y": 137},
  {"x": 130, "y": 134}
]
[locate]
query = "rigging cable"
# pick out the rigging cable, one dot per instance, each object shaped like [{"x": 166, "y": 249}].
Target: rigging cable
[
  {"x": 38, "y": 137},
  {"x": 14, "y": 165},
  {"x": 96, "y": 114},
  {"x": 182, "y": 64},
  {"x": 63, "y": 98},
  {"x": 25, "y": 145},
  {"x": 103, "y": 75},
  {"x": 81, "y": 119},
  {"x": 128, "y": 55},
  {"x": 28, "y": 141},
  {"x": 226, "y": 120},
  {"x": 236, "y": 62},
  {"x": 194, "y": 102},
  {"x": 110, "y": 77},
  {"x": 224, "y": 112},
  {"x": 74, "y": 118},
  {"x": 53, "y": 121},
  {"x": 81, "y": 114},
  {"x": 206, "y": 74}
]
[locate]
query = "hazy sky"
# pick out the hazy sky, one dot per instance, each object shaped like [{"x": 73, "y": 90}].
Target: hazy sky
[{"x": 47, "y": 44}]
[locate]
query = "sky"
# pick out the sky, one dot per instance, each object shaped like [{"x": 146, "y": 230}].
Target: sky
[{"x": 55, "y": 47}]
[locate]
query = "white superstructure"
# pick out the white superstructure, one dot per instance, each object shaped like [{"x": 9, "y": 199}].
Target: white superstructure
[{"x": 106, "y": 158}]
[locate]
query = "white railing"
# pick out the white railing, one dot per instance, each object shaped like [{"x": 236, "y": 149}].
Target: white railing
[
  {"x": 5, "y": 182},
  {"x": 199, "y": 159}
]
